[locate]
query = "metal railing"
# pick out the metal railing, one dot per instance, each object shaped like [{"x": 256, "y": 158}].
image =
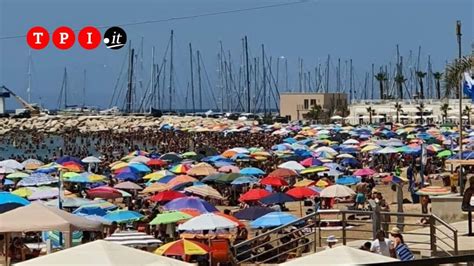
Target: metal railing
[{"x": 308, "y": 234}]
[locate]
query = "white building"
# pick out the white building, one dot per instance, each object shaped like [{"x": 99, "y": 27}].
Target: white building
[{"x": 385, "y": 111}]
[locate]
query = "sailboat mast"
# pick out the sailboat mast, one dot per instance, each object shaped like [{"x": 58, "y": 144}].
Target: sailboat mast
[
  {"x": 171, "y": 73},
  {"x": 130, "y": 86},
  {"x": 350, "y": 82},
  {"x": 372, "y": 77},
  {"x": 84, "y": 90},
  {"x": 65, "y": 88},
  {"x": 152, "y": 78},
  {"x": 248, "y": 73},
  {"x": 264, "y": 82},
  {"x": 28, "y": 90},
  {"x": 192, "y": 77},
  {"x": 327, "y": 74},
  {"x": 199, "y": 79}
]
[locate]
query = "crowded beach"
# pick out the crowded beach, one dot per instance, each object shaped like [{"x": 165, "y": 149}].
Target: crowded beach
[{"x": 190, "y": 191}]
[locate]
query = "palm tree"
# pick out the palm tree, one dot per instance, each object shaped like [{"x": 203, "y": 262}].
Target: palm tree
[
  {"x": 381, "y": 77},
  {"x": 437, "y": 76},
  {"x": 314, "y": 113},
  {"x": 421, "y": 109},
  {"x": 467, "y": 112},
  {"x": 400, "y": 79},
  {"x": 371, "y": 113},
  {"x": 444, "y": 110},
  {"x": 398, "y": 108},
  {"x": 454, "y": 71},
  {"x": 421, "y": 75}
]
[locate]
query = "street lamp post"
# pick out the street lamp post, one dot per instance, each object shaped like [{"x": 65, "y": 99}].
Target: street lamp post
[{"x": 461, "y": 183}]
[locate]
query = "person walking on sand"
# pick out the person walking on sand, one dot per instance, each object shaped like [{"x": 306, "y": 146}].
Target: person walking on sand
[
  {"x": 382, "y": 245},
  {"x": 399, "y": 247}
]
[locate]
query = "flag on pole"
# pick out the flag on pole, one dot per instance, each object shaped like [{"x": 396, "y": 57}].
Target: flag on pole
[{"x": 468, "y": 85}]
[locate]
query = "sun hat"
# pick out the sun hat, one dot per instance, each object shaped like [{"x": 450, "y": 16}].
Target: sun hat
[
  {"x": 395, "y": 231},
  {"x": 331, "y": 239},
  {"x": 374, "y": 190}
]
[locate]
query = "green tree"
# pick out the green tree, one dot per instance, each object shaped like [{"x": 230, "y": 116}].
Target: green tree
[
  {"x": 437, "y": 76},
  {"x": 400, "y": 79},
  {"x": 421, "y": 75},
  {"x": 454, "y": 71},
  {"x": 381, "y": 77},
  {"x": 314, "y": 113},
  {"x": 444, "y": 110},
  {"x": 398, "y": 109},
  {"x": 467, "y": 112},
  {"x": 371, "y": 112}
]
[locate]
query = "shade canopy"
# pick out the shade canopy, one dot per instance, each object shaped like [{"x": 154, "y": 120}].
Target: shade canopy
[
  {"x": 38, "y": 217},
  {"x": 103, "y": 253},
  {"x": 207, "y": 221},
  {"x": 342, "y": 255}
]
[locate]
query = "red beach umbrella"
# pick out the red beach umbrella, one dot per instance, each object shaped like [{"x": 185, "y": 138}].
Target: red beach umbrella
[
  {"x": 167, "y": 196},
  {"x": 254, "y": 195},
  {"x": 104, "y": 192},
  {"x": 283, "y": 173},
  {"x": 273, "y": 181},
  {"x": 156, "y": 162},
  {"x": 301, "y": 192}
]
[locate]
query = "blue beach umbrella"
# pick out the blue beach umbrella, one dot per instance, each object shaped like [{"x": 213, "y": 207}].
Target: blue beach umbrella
[
  {"x": 252, "y": 171},
  {"x": 139, "y": 167},
  {"x": 252, "y": 213},
  {"x": 10, "y": 201},
  {"x": 37, "y": 179},
  {"x": 190, "y": 203},
  {"x": 127, "y": 176},
  {"x": 244, "y": 180},
  {"x": 277, "y": 198},
  {"x": 273, "y": 219},
  {"x": 347, "y": 180},
  {"x": 94, "y": 210},
  {"x": 123, "y": 216}
]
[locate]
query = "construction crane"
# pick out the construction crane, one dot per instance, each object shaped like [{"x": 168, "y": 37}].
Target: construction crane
[{"x": 32, "y": 109}]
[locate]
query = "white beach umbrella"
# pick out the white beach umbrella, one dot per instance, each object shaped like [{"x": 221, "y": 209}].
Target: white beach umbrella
[
  {"x": 140, "y": 159},
  {"x": 345, "y": 155},
  {"x": 91, "y": 159},
  {"x": 207, "y": 221},
  {"x": 11, "y": 164},
  {"x": 336, "y": 191},
  {"x": 386, "y": 150},
  {"x": 350, "y": 142},
  {"x": 292, "y": 165},
  {"x": 326, "y": 149},
  {"x": 6, "y": 170}
]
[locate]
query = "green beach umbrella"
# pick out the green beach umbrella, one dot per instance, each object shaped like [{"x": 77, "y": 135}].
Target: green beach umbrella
[
  {"x": 444, "y": 154},
  {"x": 170, "y": 217},
  {"x": 16, "y": 175}
]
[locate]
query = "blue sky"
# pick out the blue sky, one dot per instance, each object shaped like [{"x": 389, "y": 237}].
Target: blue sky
[{"x": 365, "y": 31}]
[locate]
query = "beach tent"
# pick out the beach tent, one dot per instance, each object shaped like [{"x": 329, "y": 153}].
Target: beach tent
[
  {"x": 103, "y": 253},
  {"x": 342, "y": 255},
  {"x": 38, "y": 217}
]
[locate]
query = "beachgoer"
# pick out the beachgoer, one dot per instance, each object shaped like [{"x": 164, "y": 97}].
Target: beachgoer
[
  {"x": 381, "y": 245},
  {"x": 331, "y": 241},
  {"x": 401, "y": 250}
]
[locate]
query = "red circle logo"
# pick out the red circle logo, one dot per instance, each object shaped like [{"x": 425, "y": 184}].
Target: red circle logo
[
  {"x": 89, "y": 37},
  {"x": 37, "y": 38},
  {"x": 63, "y": 38}
]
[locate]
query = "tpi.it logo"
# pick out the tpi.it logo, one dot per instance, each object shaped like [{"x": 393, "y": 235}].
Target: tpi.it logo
[{"x": 64, "y": 38}]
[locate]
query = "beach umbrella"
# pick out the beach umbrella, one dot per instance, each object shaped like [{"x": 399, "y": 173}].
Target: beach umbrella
[
  {"x": 347, "y": 180},
  {"x": 17, "y": 175},
  {"x": 23, "y": 192},
  {"x": 170, "y": 217},
  {"x": 325, "y": 149},
  {"x": 44, "y": 193},
  {"x": 252, "y": 213},
  {"x": 32, "y": 164},
  {"x": 10, "y": 163},
  {"x": 386, "y": 150},
  {"x": 190, "y": 203},
  {"x": 322, "y": 183},
  {"x": 139, "y": 159},
  {"x": 167, "y": 195},
  {"x": 207, "y": 221},
  {"x": 91, "y": 159},
  {"x": 277, "y": 198},
  {"x": 180, "y": 179},
  {"x": 139, "y": 167},
  {"x": 292, "y": 165},
  {"x": 336, "y": 191},
  {"x": 128, "y": 176},
  {"x": 308, "y": 162},
  {"x": 180, "y": 168},
  {"x": 240, "y": 150},
  {"x": 133, "y": 239},
  {"x": 128, "y": 186},
  {"x": 155, "y": 187},
  {"x": 157, "y": 175},
  {"x": 204, "y": 191},
  {"x": 273, "y": 219},
  {"x": 138, "y": 153},
  {"x": 350, "y": 162},
  {"x": 70, "y": 202},
  {"x": 229, "y": 169},
  {"x": 212, "y": 178},
  {"x": 364, "y": 172},
  {"x": 301, "y": 192},
  {"x": 441, "y": 154},
  {"x": 251, "y": 171},
  {"x": 156, "y": 163},
  {"x": 123, "y": 216},
  {"x": 244, "y": 180},
  {"x": 254, "y": 194},
  {"x": 370, "y": 147},
  {"x": 37, "y": 179},
  {"x": 72, "y": 166},
  {"x": 202, "y": 170},
  {"x": 104, "y": 192},
  {"x": 9, "y": 201},
  {"x": 227, "y": 178},
  {"x": 314, "y": 169},
  {"x": 283, "y": 172},
  {"x": 351, "y": 142},
  {"x": 171, "y": 157},
  {"x": 304, "y": 183},
  {"x": 183, "y": 247},
  {"x": 273, "y": 181}
]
